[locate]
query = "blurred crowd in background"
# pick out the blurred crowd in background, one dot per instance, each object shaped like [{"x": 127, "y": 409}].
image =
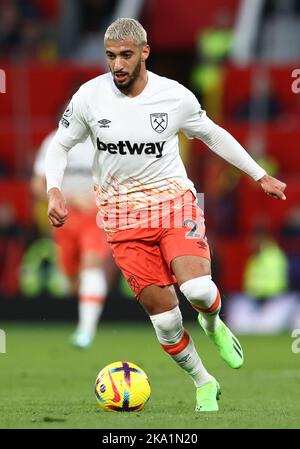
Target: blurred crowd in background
[{"x": 237, "y": 56}]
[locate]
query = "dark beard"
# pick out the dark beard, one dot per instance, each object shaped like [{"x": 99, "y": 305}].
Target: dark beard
[{"x": 124, "y": 88}]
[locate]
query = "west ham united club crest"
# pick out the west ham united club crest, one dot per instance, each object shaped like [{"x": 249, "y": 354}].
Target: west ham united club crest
[{"x": 159, "y": 121}]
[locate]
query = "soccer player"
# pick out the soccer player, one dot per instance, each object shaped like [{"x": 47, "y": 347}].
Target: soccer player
[
  {"x": 82, "y": 246},
  {"x": 146, "y": 201}
]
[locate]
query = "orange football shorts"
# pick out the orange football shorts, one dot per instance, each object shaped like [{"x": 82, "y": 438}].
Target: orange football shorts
[{"x": 144, "y": 255}]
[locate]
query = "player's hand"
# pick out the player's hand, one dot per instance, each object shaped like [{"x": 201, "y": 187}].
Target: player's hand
[
  {"x": 57, "y": 210},
  {"x": 273, "y": 187}
]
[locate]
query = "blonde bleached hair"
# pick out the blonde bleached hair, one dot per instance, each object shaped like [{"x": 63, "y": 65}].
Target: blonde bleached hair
[{"x": 126, "y": 29}]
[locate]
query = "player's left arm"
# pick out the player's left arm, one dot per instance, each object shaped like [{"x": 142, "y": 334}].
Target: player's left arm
[
  {"x": 273, "y": 187},
  {"x": 226, "y": 146},
  {"x": 196, "y": 124}
]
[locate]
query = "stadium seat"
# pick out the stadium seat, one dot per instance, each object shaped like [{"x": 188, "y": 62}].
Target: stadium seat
[
  {"x": 257, "y": 209},
  {"x": 18, "y": 194},
  {"x": 236, "y": 93},
  {"x": 175, "y": 26},
  {"x": 50, "y": 8},
  {"x": 7, "y": 99},
  {"x": 231, "y": 255},
  {"x": 62, "y": 81},
  {"x": 11, "y": 250}
]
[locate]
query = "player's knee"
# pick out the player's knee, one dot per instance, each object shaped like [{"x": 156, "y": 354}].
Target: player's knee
[
  {"x": 201, "y": 288},
  {"x": 168, "y": 326},
  {"x": 91, "y": 260},
  {"x": 156, "y": 300}
]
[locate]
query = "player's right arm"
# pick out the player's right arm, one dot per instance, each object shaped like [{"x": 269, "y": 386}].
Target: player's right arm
[
  {"x": 56, "y": 161},
  {"x": 38, "y": 178},
  {"x": 72, "y": 129}
]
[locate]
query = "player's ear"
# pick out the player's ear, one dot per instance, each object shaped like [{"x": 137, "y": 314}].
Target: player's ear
[{"x": 145, "y": 53}]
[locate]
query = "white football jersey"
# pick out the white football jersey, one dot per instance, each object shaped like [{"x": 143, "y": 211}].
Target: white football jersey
[
  {"x": 136, "y": 139},
  {"x": 137, "y": 165},
  {"x": 78, "y": 179}
]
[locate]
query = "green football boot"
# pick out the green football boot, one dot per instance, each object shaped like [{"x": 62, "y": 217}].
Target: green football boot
[
  {"x": 228, "y": 345},
  {"x": 207, "y": 396}
]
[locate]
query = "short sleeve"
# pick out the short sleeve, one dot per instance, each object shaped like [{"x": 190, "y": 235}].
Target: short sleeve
[{"x": 73, "y": 127}]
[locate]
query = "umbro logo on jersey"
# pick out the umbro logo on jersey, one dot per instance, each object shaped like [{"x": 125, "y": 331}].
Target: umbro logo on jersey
[
  {"x": 201, "y": 244},
  {"x": 159, "y": 121},
  {"x": 126, "y": 147},
  {"x": 104, "y": 123}
]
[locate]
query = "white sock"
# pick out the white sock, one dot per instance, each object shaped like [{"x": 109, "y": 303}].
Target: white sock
[
  {"x": 176, "y": 341},
  {"x": 210, "y": 322},
  {"x": 92, "y": 295},
  {"x": 89, "y": 314}
]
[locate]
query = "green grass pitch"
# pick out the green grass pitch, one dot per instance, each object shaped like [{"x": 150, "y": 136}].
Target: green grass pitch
[{"x": 45, "y": 383}]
